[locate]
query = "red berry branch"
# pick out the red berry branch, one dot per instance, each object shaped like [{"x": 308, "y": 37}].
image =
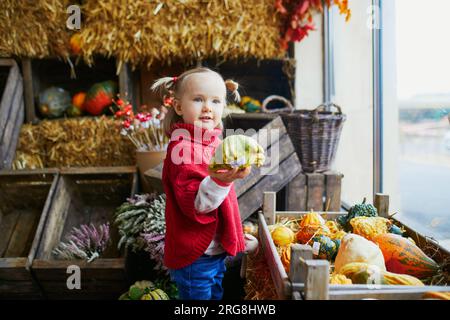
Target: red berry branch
[{"x": 299, "y": 17}]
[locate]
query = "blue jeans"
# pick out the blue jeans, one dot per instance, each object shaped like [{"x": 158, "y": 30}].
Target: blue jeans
[{"x": 201, "y": 280}]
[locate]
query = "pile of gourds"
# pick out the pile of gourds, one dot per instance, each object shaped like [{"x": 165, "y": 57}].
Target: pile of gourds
[
  {"x": 362, "y": 247},
  {"x": 55, "y": 102},
  {"x": 144, "y": 290}
]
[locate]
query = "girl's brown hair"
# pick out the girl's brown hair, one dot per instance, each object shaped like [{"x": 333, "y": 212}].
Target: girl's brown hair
[{"x": 173, "y": 86}]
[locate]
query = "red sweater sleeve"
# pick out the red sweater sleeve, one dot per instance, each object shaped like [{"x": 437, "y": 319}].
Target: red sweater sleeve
[{"x": 185, "y": 183}]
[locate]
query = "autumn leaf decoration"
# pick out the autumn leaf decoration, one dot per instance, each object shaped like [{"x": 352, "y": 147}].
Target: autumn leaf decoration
[{"x": 299, "y": 17}]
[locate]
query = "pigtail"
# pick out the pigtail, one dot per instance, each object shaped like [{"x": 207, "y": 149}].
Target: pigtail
[
  {"x": 233, "y": 87},
  {"x": 164, "y": 84}
]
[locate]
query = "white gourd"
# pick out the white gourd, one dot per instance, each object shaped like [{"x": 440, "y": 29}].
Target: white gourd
[{"x": 355, "y": 248}]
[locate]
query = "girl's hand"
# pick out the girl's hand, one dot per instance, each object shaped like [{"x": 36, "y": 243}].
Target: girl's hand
[{"x": 228, "y": 176}]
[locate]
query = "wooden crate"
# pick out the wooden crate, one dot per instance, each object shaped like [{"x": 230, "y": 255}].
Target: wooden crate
[
  {"x": 308, "y": 278},
  {"x": 11, "y": 110},
  {"x": 83, "y": 196},
  {"x": 40, "y": 74},
  {"x": 314, "y": 191},
  {"x": 24, "y": 203},
  {"x": 280, "y": 168}
]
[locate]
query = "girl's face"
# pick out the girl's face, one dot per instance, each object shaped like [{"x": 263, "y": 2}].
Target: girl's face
[{"x": 202, "y": 100}]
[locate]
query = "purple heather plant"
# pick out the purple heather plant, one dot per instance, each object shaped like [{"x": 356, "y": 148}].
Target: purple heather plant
[
  {"x": 155, "y": 246},
  {"x": 142, "y": 199},
  {"x": 85, "y": 242}
]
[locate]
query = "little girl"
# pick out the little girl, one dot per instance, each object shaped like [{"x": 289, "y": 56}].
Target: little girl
[{"x": 203, "y": 223}]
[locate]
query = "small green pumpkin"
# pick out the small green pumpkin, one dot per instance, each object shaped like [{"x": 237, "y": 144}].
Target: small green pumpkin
[
  {"x": 53, "y": 102},
  {"x": 74, "y": 111},
  {"x": 327, "y": 247},
  {"x": 358, "y": 210}
]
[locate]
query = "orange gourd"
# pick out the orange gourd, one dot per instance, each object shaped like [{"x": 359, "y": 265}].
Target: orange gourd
[
  {"x": 75, "y": 43},
  {"x": 311, "y": 218},
  {"x": 306, "y": 233},
  {"x": 312, "y": 224},
  {"x": 78, "y": 100},
  {"x": 286, "y": 257},
  {"x": 403, "y": 256}
]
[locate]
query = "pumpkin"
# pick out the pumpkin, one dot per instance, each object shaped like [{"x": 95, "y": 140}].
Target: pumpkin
[
  {"x": 157, "y": 294},
  {"x": 358, "y": 210},
  {"x": 305, "y": 234},
  {"x": 323, "y": 247},
  {"x": 250, "y": 105},
  {"x": 237, "y": 151},
  {"x": 75, "y": 43},
  {"x": 436, "y": 295},
  {"x": 363, "y": 273},
  {"x": 312, "y": 218},
  {"x": 144, "y": 290},
  {"x": 53, "y": 102},
  {"x": 338, "y": 235},
  {"x": 282, "y": 235},
  {"x": 338, "y": 245},
  {"x": 403, "y": 256},
  {"x": 99, "y": 97},
  {"x": 401, "y": 279},
  {"x": 78, "y": 100},
  {"x": 332, "y": 225},
  {"x": 73, "y": 111},
  {"x": 355, "y": 248},
  {"x": 370, "y": 227},
  {"x": 339, "y": 279}
]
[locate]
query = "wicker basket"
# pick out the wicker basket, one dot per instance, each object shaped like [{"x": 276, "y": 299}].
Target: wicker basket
[{"x": 314, "y": 133}]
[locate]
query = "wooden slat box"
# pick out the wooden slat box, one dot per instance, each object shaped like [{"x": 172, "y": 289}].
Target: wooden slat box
[
  {"x": 314, "y": 191},
  {"x": 83, "y": 196},
  {"x": 25, "y": 198},
  {"x": 281, "y": 166},
  {"x": 12, "y": 110},
  {"x": 308, "y": 278},
  {"x": 40, "y": 74}
]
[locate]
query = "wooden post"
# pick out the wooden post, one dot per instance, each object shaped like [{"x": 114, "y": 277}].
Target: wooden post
[
  {"x": 269, "y": 206},
  {"x": 126, "y": 83},
  {"x": 381, "y": 202},
  {"x": 298, "y": 252},
  {"x": 315, "y": 183},
  {"x": 28, "y": 91},
  {"x": 333, "y": 182},
  {"x": 296, "y": 193},
  {"x": 317, "y": 279}
]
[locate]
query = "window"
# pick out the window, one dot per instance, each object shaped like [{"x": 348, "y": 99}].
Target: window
[{"x": 416, "y": 106}]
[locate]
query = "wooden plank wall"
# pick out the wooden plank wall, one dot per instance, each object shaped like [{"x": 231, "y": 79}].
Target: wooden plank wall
[
  {"x": 315, "y": 191},
  {"x": 11, "y": 113}
]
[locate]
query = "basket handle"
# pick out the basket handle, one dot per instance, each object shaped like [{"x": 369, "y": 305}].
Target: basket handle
[
  {"x": 289, "y": 106},
  {"x": 323, "y": 106}
]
